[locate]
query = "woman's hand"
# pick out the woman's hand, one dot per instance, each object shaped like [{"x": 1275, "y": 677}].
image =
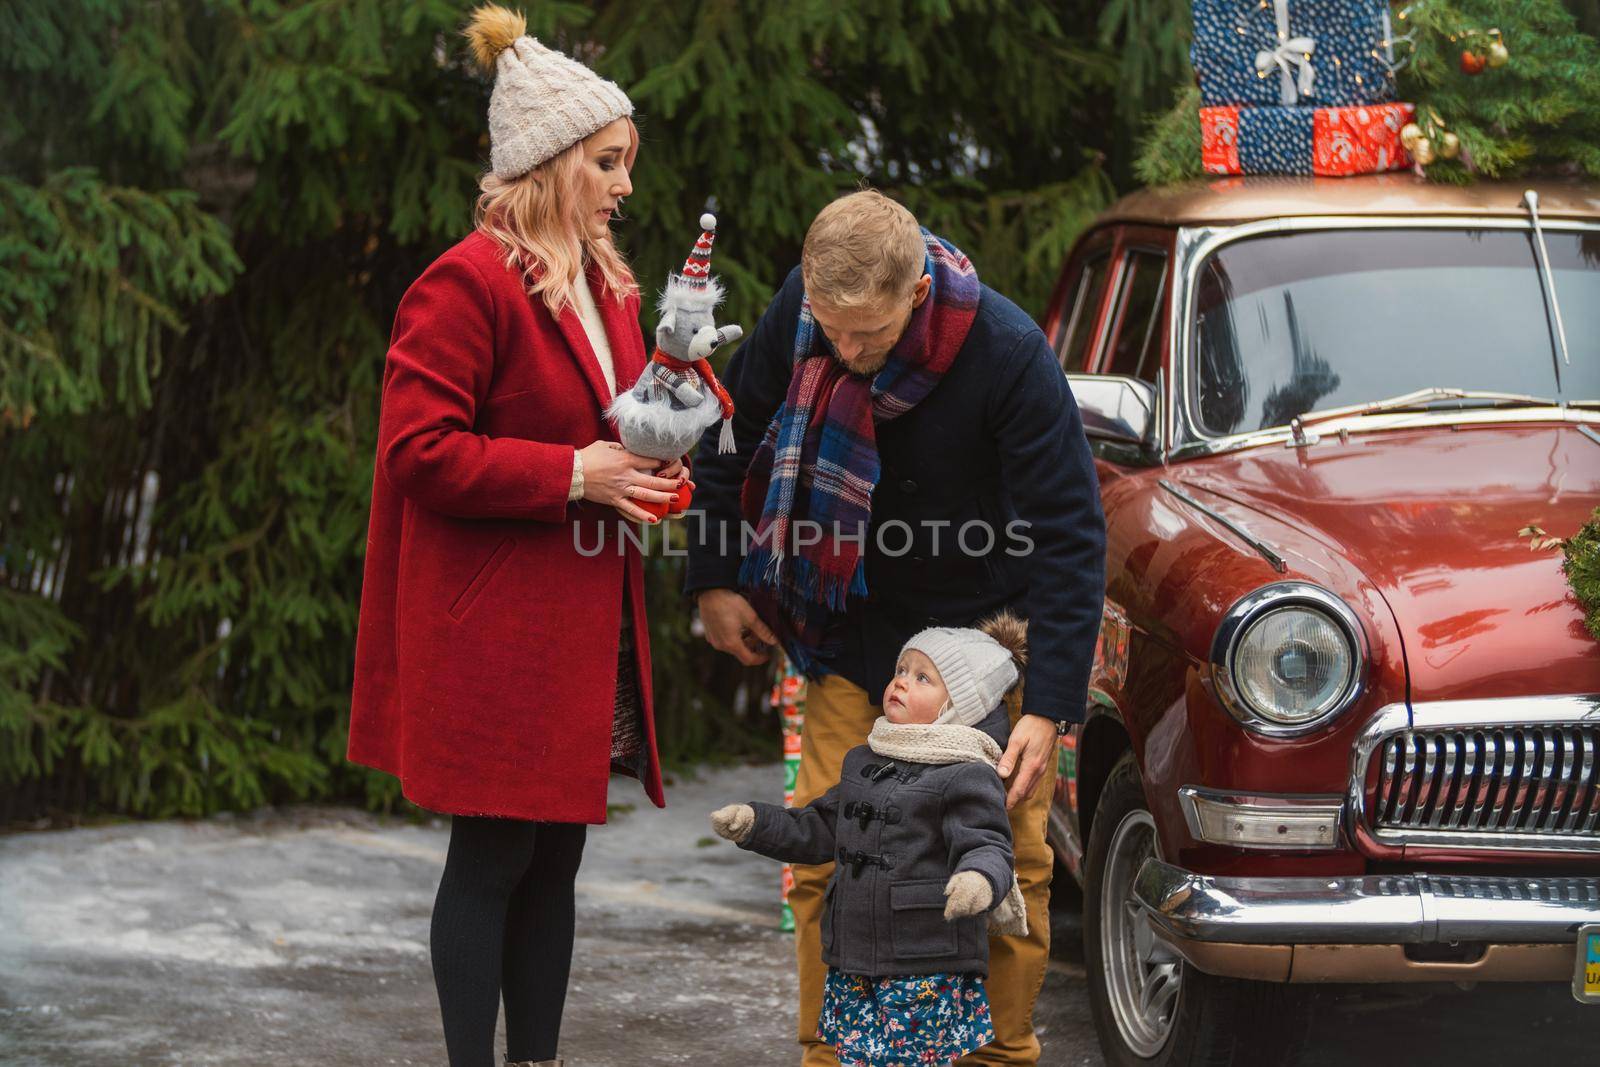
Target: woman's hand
[
  {"x": 613, "y": 475},
  {"x": 679, "y": 471}
]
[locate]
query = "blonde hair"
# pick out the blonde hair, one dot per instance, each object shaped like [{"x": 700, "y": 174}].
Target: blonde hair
[
  {"x": 863, "y": 249},
  {"x": 537, "y": 218}
]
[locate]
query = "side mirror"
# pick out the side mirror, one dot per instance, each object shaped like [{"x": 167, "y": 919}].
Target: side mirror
[{"x": 1115, "y": 408}]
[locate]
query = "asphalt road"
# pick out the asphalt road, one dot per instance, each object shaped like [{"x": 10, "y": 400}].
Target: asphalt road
[{"x": 299, "y": 937}]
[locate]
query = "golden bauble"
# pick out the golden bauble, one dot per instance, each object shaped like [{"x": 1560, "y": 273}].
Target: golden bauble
[
  {"x": 1449, "y": 146},
  {"x": 1499, "y": 55},
  {"x": 1410, "y": 133},
  {"x": 1422, "y": 151}
]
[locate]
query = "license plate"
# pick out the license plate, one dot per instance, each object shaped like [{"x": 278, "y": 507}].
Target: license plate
[{"x": 1586, "y": 973}]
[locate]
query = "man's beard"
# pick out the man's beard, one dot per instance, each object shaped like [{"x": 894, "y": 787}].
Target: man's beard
[{"x": 858, "y": 368}]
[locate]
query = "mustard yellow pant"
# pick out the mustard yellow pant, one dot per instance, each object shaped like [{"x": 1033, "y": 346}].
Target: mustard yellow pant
[{"x": 838, "y": 718}]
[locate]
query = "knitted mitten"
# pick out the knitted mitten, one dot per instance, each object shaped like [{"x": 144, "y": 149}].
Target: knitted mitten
[
  {"x": 734, "y": 822},
  {"x": 967, "y": 893}
]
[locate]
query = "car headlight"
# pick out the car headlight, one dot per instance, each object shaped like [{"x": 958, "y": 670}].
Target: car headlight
[{"x": 1287, "y": 658}]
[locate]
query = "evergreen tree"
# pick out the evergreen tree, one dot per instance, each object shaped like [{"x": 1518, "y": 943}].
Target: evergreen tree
[
  {"x": 208, "y": 212},
  {"x": 1151, "y": 40}
]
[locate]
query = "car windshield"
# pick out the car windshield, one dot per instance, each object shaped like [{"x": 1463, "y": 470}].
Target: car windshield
[{"x": 1292, "y": 323}]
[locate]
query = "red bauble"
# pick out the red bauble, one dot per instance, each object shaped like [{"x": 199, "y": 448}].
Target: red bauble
[
  {"x": 685, "y": 494},
  {"x": 1472, "y": 62}
]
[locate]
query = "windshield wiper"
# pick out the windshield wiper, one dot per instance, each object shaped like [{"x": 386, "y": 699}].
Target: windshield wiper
[
  {"x": 1547, "y": 281},
  {"x": 1424, "y": 399}
]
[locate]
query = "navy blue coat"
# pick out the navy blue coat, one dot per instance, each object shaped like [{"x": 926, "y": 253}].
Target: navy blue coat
[
  {"x": 998, "y": 440},
  {"x": 896, "y": 830}
]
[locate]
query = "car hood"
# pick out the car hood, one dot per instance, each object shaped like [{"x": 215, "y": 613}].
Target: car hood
[{"x": 1432, "y": 516}]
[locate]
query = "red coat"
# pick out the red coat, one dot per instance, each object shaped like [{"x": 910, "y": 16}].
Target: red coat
[{"x": 486, "y": 652}]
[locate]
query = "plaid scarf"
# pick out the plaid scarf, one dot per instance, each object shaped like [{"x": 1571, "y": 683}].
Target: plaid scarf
[{"x": 818, "y": 461}]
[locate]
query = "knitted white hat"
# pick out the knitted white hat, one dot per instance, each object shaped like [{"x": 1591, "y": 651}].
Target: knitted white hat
[
  {"x": 543, "y": 102},
  {"x": 979, "y": 666}
]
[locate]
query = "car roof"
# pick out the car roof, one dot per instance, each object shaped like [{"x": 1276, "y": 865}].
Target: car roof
[{"x": 1229, "y": 200}]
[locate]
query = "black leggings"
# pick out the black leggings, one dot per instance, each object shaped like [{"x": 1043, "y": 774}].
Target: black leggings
[{"x": 503, "y": 922}]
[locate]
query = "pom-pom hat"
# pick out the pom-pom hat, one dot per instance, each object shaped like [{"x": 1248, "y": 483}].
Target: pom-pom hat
[
  {"x": 543, "y": 102},
  {"x": 979, "y": 666}
]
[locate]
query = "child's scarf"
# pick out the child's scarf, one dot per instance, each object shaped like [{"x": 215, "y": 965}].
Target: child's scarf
[{"x": 819, "y": 460}]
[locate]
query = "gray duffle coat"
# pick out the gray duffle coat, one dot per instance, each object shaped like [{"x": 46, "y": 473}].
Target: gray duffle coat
[{"x": 897, "y": 831}]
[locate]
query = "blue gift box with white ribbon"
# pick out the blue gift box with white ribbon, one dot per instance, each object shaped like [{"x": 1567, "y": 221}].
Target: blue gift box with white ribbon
[{"x": 1306, "y": 53}]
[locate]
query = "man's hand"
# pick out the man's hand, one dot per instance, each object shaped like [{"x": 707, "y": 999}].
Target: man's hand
[
  {"x": 732, "y": 626},
  {"x": 1032, "y": 747}
]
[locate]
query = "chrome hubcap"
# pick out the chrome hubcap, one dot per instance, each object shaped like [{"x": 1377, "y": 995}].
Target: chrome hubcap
[{"x": 1142, "y": 974}]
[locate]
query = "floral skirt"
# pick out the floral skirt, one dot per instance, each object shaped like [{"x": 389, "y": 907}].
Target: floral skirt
[{"x": 924, "y": 1020}]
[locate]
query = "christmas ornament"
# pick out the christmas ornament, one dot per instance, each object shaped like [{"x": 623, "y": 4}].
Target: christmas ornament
[
  {"x": 1409, "y": 135},
  {"x": 1472, "y": 63},
  {"x": 1431, "y": 140},
  {"x": 1498, "y": 55},
  {"x": 677, "y": 396}
]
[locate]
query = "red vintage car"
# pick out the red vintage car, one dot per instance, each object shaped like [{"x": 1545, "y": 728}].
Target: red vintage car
[{"x": 1344, "y": 721}]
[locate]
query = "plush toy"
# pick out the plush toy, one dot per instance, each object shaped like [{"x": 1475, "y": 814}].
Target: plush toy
[{"x": 678, "y": 397}]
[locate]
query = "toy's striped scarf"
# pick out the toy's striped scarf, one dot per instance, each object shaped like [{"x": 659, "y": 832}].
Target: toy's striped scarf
[{"x": 819, "y": 461}]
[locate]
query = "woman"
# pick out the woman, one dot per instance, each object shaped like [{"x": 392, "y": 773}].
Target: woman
[{"x": 501, "y": 674}]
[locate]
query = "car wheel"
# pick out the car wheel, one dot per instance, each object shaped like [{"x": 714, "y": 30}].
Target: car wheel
[{"x": 1152, "y": 1009}]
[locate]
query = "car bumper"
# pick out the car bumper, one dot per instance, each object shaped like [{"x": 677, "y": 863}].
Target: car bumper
[{"x": 1419, "y": 927}]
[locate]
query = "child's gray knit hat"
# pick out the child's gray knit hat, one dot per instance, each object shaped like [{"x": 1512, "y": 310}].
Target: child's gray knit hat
[
  {"x": 979, "y": 666},
  {"x": 543, "y": 102}
]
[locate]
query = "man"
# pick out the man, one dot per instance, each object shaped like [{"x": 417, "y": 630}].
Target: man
[{"x": 927, "y": 467}]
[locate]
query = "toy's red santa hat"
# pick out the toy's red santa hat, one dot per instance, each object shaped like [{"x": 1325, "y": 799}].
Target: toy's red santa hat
[
  {"x": 694, "y": 287},
  {"x": 697, "y": 268}
]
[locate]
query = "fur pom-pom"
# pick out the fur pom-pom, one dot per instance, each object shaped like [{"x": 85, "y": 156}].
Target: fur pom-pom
[
  {"x": 1012, "y": 634},
  {"x": 708, "y": 221},
  {"x": 680, "y": 295},
  {"x": 492, "y": 30}
]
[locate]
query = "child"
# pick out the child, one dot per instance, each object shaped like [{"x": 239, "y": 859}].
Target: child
[{"x": 917, "y": 826}]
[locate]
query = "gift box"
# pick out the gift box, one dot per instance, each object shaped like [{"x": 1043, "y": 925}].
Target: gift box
[
  {"x": 1330, "y": 141},
  {"x": 1285, "y": 53}
]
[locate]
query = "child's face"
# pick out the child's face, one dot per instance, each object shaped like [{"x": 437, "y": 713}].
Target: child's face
[{"x": 916, "y": 693}]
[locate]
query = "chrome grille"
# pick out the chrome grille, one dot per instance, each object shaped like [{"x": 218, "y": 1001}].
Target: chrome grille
[{"x": 1531, "y": 784}]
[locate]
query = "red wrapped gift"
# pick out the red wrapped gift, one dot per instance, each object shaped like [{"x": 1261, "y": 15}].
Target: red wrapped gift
[
  {"x": 1219, "y": 140},
  {"x": 1359, "y": 140}
]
